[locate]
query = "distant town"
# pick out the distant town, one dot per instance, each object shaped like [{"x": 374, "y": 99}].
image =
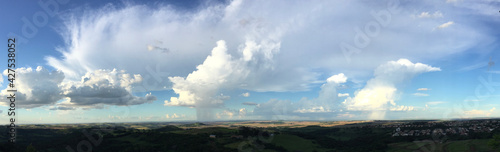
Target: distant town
[{"x": 462, "y": 128}]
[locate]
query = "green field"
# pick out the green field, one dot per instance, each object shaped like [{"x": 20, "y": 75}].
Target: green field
[{"x": 295, "y": 143}]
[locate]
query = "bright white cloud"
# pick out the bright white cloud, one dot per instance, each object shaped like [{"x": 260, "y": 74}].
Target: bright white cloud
[
  {"x": 311, "y": 110},
  {"x": 242, "y": 112},
  {"x": 226, "y": 114},
  {"x": 200, "y": 88},
  {"x": 150, "y": 47},
  {"x": 232, "y": 114},
  {"x": 174, "y": 116},
  {"x": 256, "y": 42},
  {"x": 402, "y": 108},
  {"x": 339, "y": 78},
  {"x": 436, "y": 14},
  {"x": 340, "y": 95},
  {"x": 375, "y": 98},
  {"x": 423, "y": 89},
  {"x": 378, "y": 96},
  {"x": 380, "y": 92},
  {"x": 445, "y": 25},
  {"x": 219, "y": 71},
  {"x": 246, "y": 94}
]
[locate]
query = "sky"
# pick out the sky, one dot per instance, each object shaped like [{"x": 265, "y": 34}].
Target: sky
[{"x": 222, "y": 60}]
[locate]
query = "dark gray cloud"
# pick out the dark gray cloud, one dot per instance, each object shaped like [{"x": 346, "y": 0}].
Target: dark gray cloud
[
  {"x": 108, "y": 87},
  {"x": 62, "y": 108},
  {"x": 40, "y": 87},
  {"x": 35, "y": 87}
]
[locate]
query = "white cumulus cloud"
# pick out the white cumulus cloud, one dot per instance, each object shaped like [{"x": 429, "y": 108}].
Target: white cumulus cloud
[
  {"x": 380, "y": 92},
  {"x": 105, "y": 87},
  {"x": 339, "y": 78},
  {"x": 35, "y": 87},
  {"x": 40, "y": 87},
  {"x": 220, "y": 70}
]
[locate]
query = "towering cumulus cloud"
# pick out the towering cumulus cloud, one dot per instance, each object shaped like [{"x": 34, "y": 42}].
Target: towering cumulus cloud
[
  {"x": 380, "y": 92},
  {"x": 201, "y": 88}
]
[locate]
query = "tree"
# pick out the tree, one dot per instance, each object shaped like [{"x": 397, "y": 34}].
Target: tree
[
  {"x": 495, "y": 142},
  {"x": 30, "y": 148}
]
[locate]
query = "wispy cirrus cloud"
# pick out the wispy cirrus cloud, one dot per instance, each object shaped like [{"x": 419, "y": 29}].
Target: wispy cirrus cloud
[
  {"x": 423, "y": 89},
  {"x": 436, "y": 14},
  {"x": 87, "y": 33},
  {"x": 435, "y": 102},
  {"x": 474, "y": 66},
  {"x": 420, "y": 94},
  {"x": 445, "y": 25}
]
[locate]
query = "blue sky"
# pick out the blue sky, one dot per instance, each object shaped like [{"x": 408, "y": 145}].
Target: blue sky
[{"x": 132, "y": 61}]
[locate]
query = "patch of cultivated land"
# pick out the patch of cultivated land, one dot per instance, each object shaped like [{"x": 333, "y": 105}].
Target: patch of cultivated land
[{"x": 268, "y": 124}]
